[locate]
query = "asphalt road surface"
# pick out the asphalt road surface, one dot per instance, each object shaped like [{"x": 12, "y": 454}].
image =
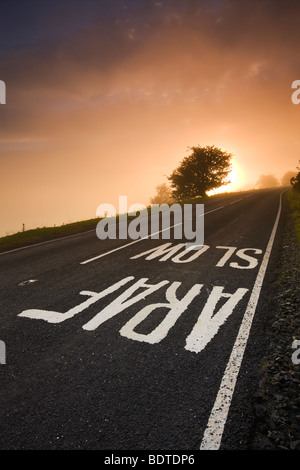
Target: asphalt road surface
[{"x": 122, "y": 345}]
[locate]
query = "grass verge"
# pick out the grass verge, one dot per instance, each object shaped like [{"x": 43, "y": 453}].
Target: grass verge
[
  {"x": 39, "y": 235},
  {"x": 294, "y": 200}
]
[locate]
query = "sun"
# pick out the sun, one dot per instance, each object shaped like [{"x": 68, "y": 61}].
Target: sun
[
  {"x": 236, "y": 181},
  {"x": 233, "y": 177}
]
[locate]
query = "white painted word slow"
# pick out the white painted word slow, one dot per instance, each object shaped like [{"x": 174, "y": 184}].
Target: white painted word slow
[
  {"x": 210, "y": 319},
  {"x": 170, "y": 251}
]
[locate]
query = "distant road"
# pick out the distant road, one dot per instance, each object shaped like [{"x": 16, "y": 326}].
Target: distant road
[{"x": 114, "y": 345}]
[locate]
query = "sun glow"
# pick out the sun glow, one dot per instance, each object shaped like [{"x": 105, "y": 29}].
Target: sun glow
[{"x": 236, "y": 179}]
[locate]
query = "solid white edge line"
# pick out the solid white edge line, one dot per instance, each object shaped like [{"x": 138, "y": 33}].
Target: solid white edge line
[{"x": 216, "y": 423}]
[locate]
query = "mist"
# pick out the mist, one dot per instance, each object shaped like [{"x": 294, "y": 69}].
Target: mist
[{"x": 103, "y": 99}]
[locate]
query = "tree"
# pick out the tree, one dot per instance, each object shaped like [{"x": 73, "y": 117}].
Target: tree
[
  {"x": 267, "y": 181},
  {"x": 204, "y": 169},
  {"x": 163, "y": 195},
  {"x": 286, "y": 179},
  {"x": 295, "y": 180}
]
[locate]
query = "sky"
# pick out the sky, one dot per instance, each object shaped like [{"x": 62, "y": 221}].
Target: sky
[{"x": 104, "y": 98}]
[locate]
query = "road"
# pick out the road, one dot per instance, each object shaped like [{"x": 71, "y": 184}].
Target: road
[{"x": 114, "y": 345}]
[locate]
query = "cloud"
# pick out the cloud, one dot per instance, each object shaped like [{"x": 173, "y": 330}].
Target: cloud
[{"x": 100, "y": 96}]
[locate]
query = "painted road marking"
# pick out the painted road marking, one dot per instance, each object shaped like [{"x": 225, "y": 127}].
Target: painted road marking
[
  {"x": 83, "y": 233},
  {"x": 58, "y": 317},
  {"x": 152, "y": 234},
  {"x": 139, "y": 240},
  {"x": 211, "y": 318},
  {"x": 214, "y": 431},
  {"x": 25, "y": 283},
  {"x": 207, "y": 326},
  {"x": 168, "y": 251},
  {"x": 237, "y": 200}
]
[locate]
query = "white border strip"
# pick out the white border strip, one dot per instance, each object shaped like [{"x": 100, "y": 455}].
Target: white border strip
[{"x": 217, "y": 420}]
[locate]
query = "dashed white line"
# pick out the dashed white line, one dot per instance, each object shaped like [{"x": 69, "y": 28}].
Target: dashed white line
[
  {"x": 151, "y": 234},
  {"x": 236, "y": 201},
  {"x": 137, "y": 241},
  {"x": 76, "y": 235}
]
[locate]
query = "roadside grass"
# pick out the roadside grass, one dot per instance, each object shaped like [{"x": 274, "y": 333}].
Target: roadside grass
[
  {"x": 43, "y": 234},
  {"x": 294, "y": 200}
]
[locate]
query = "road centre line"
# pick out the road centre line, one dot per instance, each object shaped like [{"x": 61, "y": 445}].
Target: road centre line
[
  {"x": 237, "y": 201},
  {"x": 148, "y": 236},
  {"x": 151, "y": 234},
  {"x": 71, "y": 236},
  {"x": 139, "y": 240},
  {"x": 216, "y": 423}
]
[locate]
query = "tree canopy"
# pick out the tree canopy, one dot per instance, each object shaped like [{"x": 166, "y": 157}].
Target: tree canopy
[
  {"x": 206, "y": 168},
  {"x": 267, "y": 181},
  {"x": 163, "y": 195},
  {"x": 295, "y": 180},
  {"x": 286, "y": 179}
]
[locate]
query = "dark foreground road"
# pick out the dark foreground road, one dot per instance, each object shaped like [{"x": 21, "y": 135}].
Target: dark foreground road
[{"x": 139, "y": 346}]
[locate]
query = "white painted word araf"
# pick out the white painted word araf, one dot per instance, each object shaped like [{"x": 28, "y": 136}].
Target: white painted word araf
[{"x": 211, "y": 318}]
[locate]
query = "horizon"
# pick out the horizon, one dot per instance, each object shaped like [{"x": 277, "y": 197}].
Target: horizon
[
  {"x": 137, "y": 209},
  {"x": 104, "y": 99}
]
